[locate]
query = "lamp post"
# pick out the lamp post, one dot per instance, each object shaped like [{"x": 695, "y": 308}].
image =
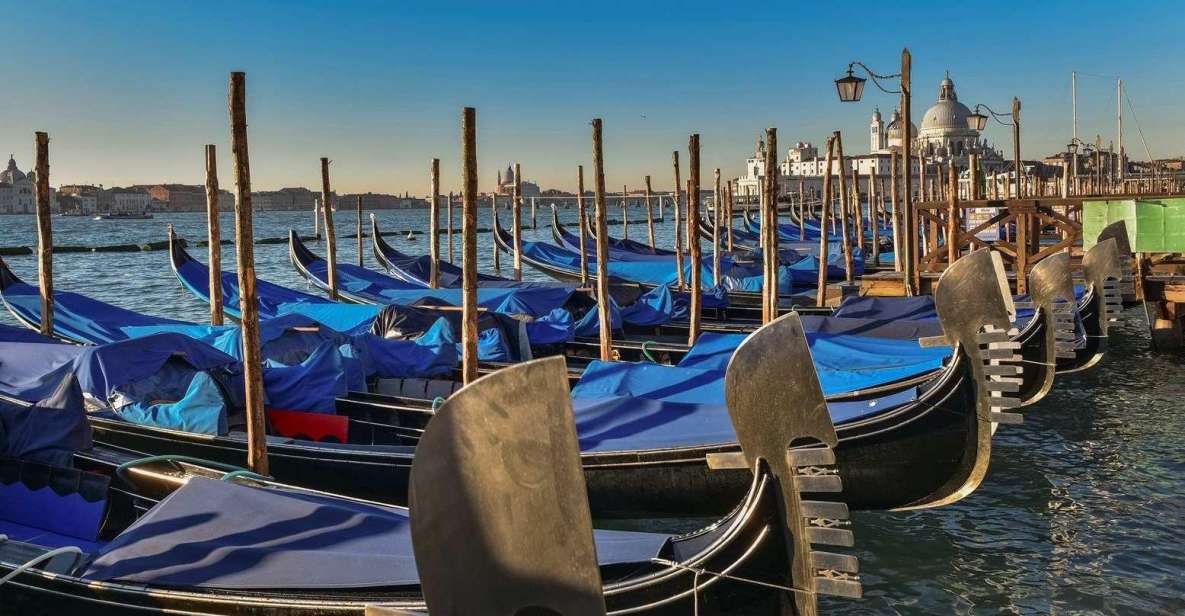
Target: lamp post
[
  {"x": 850, "y": 89},
  {"x": 978, "y": 121}
]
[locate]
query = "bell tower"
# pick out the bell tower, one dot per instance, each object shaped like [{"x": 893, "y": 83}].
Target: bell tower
[{"x": 877, "y": 138}]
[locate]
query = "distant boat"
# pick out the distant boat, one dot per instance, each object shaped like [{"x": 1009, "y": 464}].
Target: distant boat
[{"x": 124, "y": 216}]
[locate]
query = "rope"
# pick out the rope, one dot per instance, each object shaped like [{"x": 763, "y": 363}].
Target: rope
[
  {"x": 228, "y": 468},
  {"x": 437, "y": 402},
  {"x": 646, "y": 351},
  {"x": 727, "y": 576},
  {"x": 70, "y": 549},
  {"x": 242, "y": 472}
]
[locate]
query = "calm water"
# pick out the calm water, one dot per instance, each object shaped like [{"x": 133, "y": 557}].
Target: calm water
[{"x": 1083, "y": 511}]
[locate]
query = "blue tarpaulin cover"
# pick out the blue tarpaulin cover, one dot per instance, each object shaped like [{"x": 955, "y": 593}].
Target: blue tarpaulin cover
[
  {"x": 216, "y": 534},
  {"x": 9, "y": 333},
  {"x": 50, "y": 430},
  {"x": 79, "y": 317}
]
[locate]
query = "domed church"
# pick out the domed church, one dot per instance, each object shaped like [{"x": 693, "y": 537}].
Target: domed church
[{"x": 944, "y": 136}]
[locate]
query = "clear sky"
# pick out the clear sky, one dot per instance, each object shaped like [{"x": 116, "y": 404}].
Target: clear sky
[{"x": 130, "y": 91}]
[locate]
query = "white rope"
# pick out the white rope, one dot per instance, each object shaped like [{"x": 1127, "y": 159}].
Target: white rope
[
  {"x": 700, "y": 570},
  {"x": 70, "y": 549}
]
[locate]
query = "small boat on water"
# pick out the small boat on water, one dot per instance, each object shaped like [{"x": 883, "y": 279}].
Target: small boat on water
[{"x": 125, "y": 216}]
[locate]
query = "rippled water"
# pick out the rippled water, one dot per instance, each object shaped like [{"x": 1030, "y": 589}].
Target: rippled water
[{"x": 1083, "y": 510}]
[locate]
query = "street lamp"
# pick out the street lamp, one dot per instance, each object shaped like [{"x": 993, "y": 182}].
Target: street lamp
[
  {"x": 850, "y": 89},
  {"x": 978, "y": 121}
]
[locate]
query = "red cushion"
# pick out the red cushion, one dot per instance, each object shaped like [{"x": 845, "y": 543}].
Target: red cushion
[{"x": 309, "y": 426}]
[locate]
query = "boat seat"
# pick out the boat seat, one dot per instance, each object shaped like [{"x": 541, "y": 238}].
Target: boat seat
[
  {"x": 302, "y": 425},
  {"x": 417, "y": 388},
  {"x": 51, "y": 506}
]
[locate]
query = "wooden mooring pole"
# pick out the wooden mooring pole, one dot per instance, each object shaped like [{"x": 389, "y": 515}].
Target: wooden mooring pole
[
  {"x": 649, "y": 217},
  {"x": 717, "y": 212},
  {"x": 580, "y": 217},
  {"x": 604, "y": 318},
  {"x": 358, "y": 230},
  {"x": 449, "y": 233},
  {"x": 44, "y": 233},
  {"x": 434, "y": 223},
  {"x": 330, "y": 236},
  {"x": 214, "y": 236},
  {"x": 678, "y": 223},
  {"x": 844, "y": 210},
  {"x": 493, "y": 224},
  {"x": 693, "y": 203},
  {"x": 516, "y": 218},
  {"x": 469, "y": 244},
  {"x": 821, "y": 294},
  {"x": 952, "y": 215},
  {"x": 625, "y": 213},
  {"x": 769, "y": 283},
  {"x": 248, "y": 298}
]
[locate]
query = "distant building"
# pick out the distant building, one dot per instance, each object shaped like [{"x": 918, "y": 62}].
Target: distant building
[
  {"x": 380, "y": 201},
  {"x": 185, "y": 197},
  {"x": 129, "y": 201},
  {"x": 506, "y": 184},
  {"x": 286, "y": 199},
  {"x": 18, "y": 191}
]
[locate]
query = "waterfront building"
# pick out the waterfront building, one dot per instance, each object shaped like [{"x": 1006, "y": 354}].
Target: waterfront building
[
  {"x": 129, "y": 201},
  {"x": 185, "y": 197},
  {"x": 506, "y": 184},
  {"x": 943, "y": 139},
  {"x": 18, "y": 191}
]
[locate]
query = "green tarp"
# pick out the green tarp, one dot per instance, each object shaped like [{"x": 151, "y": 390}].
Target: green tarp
[{"x": 1153, "y": 225}]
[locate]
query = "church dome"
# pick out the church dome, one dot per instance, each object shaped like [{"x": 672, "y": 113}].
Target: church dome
[
  {"x": 947, "y": 115},
  {"x": 11, "y": 175},
  {"x": 894, "y": 128}
]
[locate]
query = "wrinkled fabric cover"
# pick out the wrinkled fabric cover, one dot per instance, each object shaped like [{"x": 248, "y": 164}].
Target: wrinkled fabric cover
[
  {"x": 273, "y": 298},
  {"x": 383, "y": 289},
  {"x": 49, "y": 431},
  {"x": 214, "y": 534},
  {"x": 201, "y": 410},
  {"x": 78, "y": 317},
  {"x": 9, "y": 333},
  {"x": 418, "y": 270},
  {"x": 314, "y": 384}
]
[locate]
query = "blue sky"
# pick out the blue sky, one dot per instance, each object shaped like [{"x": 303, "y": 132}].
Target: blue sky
[{"x": 130, "y": 91}]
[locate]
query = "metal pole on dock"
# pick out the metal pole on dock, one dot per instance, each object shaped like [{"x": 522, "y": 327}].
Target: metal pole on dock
[
  {"x": 580, "y": 214},
  {"x": 1016, "y": 143},
  {"x": 517, "y": 221},
  {"x": 434, "y": 223},
  {"x": 717, "y": 211},
  {"x": 769, "y": 285},
  {"x": 693, "y": 238},
  {"x": 821, "y": 293},
  {"x": 214, "y": 236},
  {"x": 248, "y": 299},
  {"x": 330, "y": 236},
  {"x": 603, "y": 302},
  {"x": 844, "y": 209},
  {"x": 678, "y": 222},
  {"x": 649, "y": 217},
  {"x": 44, "y": 233},
  {"x": 469, "y": 245}
]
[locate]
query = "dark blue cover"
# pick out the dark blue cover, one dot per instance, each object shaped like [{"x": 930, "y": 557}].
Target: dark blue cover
[
  {"x": 78, "y": 317},
  {"x": 215, "y": 534},
  {"x": 9, "y": 333},
  {"x": 50, "y": 430}
]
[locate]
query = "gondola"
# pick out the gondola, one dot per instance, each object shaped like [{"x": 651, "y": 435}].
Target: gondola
[
  {"x": 294, "y": 551},
  {"x": 930, "y": 428}
]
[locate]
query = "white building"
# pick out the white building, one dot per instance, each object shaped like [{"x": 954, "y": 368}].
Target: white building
[
  {"x": 130, "y": 201},
  {"x": 944, "y": 137},
  {"x": 18, "y": 191}
]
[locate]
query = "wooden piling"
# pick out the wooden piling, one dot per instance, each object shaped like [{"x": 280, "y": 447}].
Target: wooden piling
[
  {"x": 858, "y": 208},
  {"x": 769, "y": 283},
  {"x": 358, "y": 232},
  {"x": 693, "y": 201},
  {"x": 844, "y": 210},
  {"x": 214, "y": 237},
  {"x": 625, "y": 214},
  {"x": 649, "y": 217},
  {"x": 580, "y": 218},
  {"x": 717, "y": 212},
  {"x": 874, "y": 217},
  {"x": 44, "y": 233},
  {"x": 825, "y": 205},
  {"x": 433, "y": 223},
  {"x": 248, "y": 298},
  {"x": 469, "y": 244},
  {"x": 493, "y": 224},
  {"x": 952, "y": 216},
  {"x": 801, "y": 208},
  {"x": 449, "y": 232},
  {"x": 603, "y": 302},
  {"x": 517, "y": 221},
  {"x": 898, "y": 239},
  {"x": 678, "y": 223},
  {"x": 330, "y": 236},
  {"x": 728, "y": 203}
]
